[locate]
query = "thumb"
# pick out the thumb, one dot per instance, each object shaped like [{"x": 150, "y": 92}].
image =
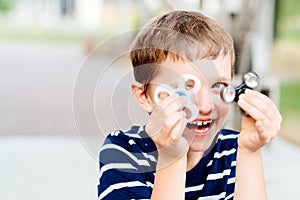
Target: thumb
[{"x": 179, "y": 129}]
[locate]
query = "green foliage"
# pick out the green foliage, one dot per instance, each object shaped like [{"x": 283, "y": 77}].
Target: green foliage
[
  {"x": 288, "y": 8},
  {"x": 287, "y": 19},
  {"x": 5, "y": 5},
  {"x": 290, "y": 97}
]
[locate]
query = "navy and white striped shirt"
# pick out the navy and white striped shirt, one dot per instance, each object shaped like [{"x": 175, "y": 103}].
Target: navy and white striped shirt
[{"x": 128, "y": 161}]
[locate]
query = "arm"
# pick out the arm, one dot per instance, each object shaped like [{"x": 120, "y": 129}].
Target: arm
[
  {"x": 170, "y": 181},
  {"x": 258, "y": 129},
  {"x": 165, "y": 126},
  {"x": 250, "y": 183}
]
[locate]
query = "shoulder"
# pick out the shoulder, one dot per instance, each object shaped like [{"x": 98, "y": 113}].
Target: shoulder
[
  {"x": 125, "y": 165},
  {"x": 130, "y": 145},
  {"x": 134, "y": 138}
]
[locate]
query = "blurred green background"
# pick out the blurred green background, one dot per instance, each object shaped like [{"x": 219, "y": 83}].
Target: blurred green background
[{"x": 286, "y": 64}]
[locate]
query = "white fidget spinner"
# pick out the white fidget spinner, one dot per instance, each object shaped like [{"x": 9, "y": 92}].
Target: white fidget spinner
[{"x": 188, "y": 86}]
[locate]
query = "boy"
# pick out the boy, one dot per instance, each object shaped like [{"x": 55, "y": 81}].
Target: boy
[{"x": 171, "y": 157}]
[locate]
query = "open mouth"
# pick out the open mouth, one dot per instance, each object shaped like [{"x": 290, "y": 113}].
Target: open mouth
[{"x": 199, "y": 126}]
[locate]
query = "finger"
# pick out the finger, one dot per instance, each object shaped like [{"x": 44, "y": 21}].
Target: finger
[
  {"x": 171, "y": 125},
  {"x": 169, "y": 105},
  {"x": 179, "y": 127},
  {"x": 253, "y": 111},
  {"x": 159, "y": 115},
  {"x": 175, "y": 106},
  {"x": 181, "y": 100},
  {"x": 264, "y": 105},
  {"x": 266, "y": 129},
  {"x": 263, "y": 134},
  {"x": 165, "y": 108},
  {"x": 257, "y": 98}
]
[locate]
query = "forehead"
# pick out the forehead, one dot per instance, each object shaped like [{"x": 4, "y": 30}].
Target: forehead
[{"x": 205, "y": 69}]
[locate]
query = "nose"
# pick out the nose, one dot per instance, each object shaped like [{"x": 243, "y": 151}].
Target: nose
[{"x": 204, "y": 100}]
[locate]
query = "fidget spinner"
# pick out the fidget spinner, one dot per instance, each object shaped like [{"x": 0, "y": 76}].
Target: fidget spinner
[
  {"x": 231, "y": 93},
  {"x": 188, "y": 86}
]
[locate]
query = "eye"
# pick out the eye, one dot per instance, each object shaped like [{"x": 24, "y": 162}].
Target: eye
[{"x": 219, "y": 85}]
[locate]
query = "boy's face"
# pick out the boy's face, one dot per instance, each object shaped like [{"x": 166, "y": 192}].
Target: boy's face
[{"x": 214, "y": 76}]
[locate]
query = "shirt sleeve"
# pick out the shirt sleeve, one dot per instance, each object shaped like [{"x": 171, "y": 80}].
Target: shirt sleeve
[{"x": 121, "y": 173}]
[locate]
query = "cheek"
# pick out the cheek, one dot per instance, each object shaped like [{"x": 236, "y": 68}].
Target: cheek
[
  {"x": 221, "y": 106},
  {"x": 227, "y": 107}
]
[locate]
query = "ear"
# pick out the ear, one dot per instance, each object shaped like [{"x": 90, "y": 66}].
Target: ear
[{"x": 141, "y": 97}]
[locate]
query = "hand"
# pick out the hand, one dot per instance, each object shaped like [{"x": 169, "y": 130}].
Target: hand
[
  {"x": 165, "y": 126},
  {"x": 262, "y": 124}
]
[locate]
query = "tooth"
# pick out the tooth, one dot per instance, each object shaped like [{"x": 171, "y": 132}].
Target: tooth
[{"x": 200, "y": 123}]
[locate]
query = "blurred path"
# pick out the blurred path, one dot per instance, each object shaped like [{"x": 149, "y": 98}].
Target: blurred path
[
  {"x": 46, "y": 167},
  {"x": 36, "y": 86},
  {"x": 36, "y": 81},
  {"x": 282, "y": 164}
]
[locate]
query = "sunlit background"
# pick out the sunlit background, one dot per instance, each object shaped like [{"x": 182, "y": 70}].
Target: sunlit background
[{"x": 49, "y": 143}]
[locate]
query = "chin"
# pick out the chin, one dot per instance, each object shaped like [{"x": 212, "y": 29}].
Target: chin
[
  {"x": 199, "y": 146},
  {"x": 201, "y": 142}
]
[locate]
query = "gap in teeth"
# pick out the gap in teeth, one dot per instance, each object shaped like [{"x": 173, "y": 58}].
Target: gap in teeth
[{"x": 199, "y": 123}]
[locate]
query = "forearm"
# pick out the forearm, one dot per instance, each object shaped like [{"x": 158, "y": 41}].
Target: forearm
[
  {"x": 250, "y": 183},
  {"x": 169, "y": 181}
]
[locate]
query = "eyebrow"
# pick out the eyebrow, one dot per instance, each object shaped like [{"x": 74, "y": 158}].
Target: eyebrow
[{"x": 223, "y": 78}]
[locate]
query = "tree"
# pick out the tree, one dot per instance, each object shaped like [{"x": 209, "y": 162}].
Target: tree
[{"x": 5, "y": 5}]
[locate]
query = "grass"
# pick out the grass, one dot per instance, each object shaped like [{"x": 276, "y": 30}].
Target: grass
[
  {"x": 290, "y": 110},
  {"x": 285, "y": 65},
  {"x": 39, "y": 35},
  {"x": 290, "y": 97},
  {"x": 287, "y": 19},
  {"x": 59, "y": 34}
]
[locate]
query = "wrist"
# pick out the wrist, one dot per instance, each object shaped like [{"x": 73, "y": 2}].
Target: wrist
[
  {"x": 248, "y": 151},
  {"x": 248, "y": 143},
  {"x": 245, "y": 155}
]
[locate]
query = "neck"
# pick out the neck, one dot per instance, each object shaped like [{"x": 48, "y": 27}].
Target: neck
[{"x": 193, "y": 159}]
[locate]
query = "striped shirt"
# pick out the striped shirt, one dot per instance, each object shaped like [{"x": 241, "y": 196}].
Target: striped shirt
[{"x": 128, "y": 161}]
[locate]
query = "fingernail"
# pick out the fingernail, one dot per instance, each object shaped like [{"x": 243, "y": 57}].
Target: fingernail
[
  {"x": 241, "y": 101},
  {"x": 242, "y": 96},
  {"x": 248, "y": 91},
  {"x": 258, "y": 123}
]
